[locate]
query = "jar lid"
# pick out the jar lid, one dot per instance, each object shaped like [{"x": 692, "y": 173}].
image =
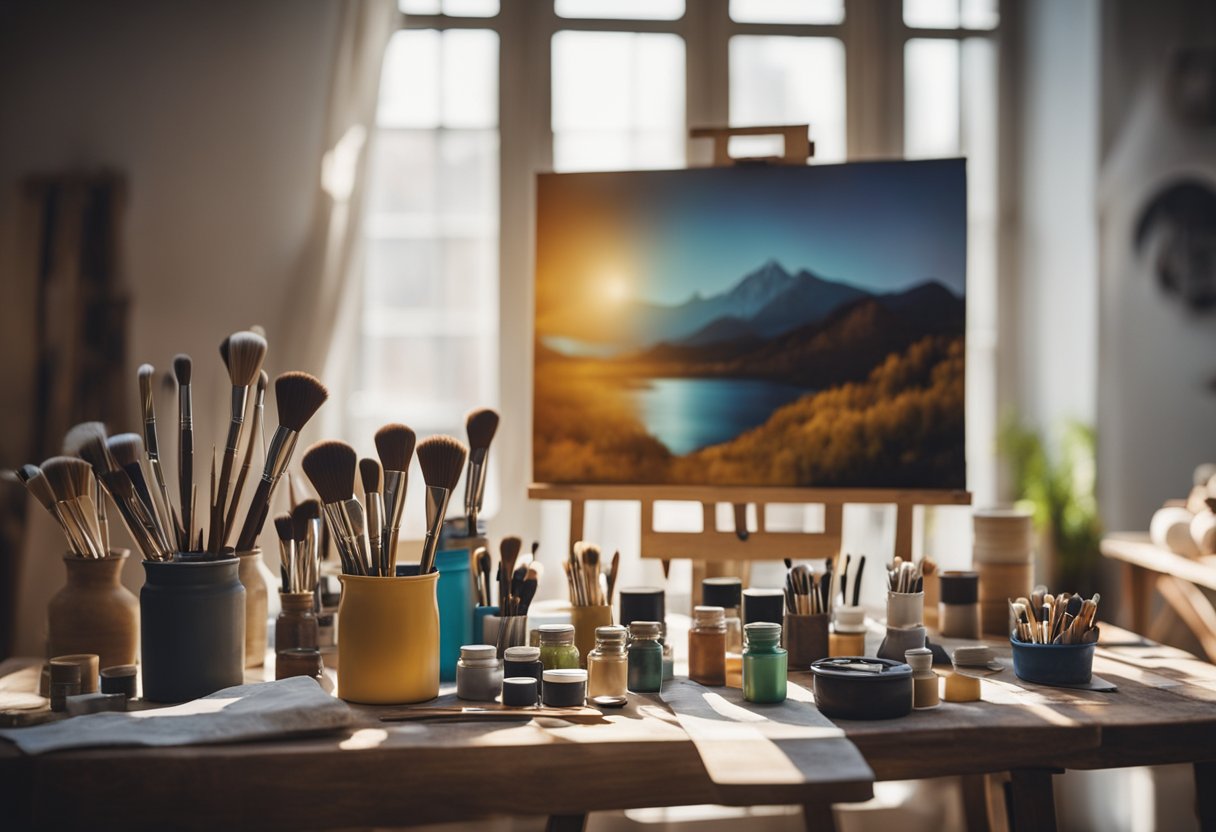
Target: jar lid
[
  {"x": 64, "y": 672},
  {"x": 520, "y": 683},
  {"x": 709, "y": 615},
  {"x": 722, "y": 592},
  {"x": 960, "y": 587},
  {"x": 762, "y": 631},
  {"x": 861, "y": 668},
  {"x": 850, "y": 619},
  {"x": 565, "y": 676},
  {"x": 645, "y": 629},
  {"x": 643, "y": 603},
  {"x": 478, "y": 652},
  {"x": 763, "y": 605},
  {"x": 611, "y": 633},
  {"x": 522, "y": 653},
  {"x": 556, "y": 634},
  {"x": 919, "y": 658}
]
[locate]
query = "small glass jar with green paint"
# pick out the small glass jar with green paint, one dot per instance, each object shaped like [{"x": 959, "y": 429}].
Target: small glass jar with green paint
[
  {"x": 645, "y": 656},
  {"x": 557, "y": 649},
  {"x": 764, "y": 663}
]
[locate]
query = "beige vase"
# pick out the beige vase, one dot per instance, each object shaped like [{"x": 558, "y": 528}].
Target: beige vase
[
  {"x": 252, "y": 573},
  {"x": 94, "y": 612}
]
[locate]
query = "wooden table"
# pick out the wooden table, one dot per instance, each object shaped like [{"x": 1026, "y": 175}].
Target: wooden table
[
  {"x": 402, "y": 774},
  {"x": 1148, "y": 568}
]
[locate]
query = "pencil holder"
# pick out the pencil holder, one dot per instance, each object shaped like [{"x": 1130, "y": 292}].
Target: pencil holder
[
  {"x": 455, "y": 594},
  {"x": 900, "y": 640},
  {"x": 512, "y": 632},
  {"x": 482, "y": 633},
  {"x": 805, "y": 638},
  {"x": 252, "y": 572},
  {"x": 585, "y": 620},
  {"x": 905, "y": 609},
  {"x": 388, "y": 639},
  {"x": 1053, "y": 664},
  {"x": 93, "y": 612},
  {"x": 192, "y": 623}
]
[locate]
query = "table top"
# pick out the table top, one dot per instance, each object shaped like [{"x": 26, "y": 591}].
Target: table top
[
  {"x": 383, "y": 772},
  {"x": 1136, "y": 548}
]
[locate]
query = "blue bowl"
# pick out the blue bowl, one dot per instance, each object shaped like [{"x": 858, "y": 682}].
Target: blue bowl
[{"x": 1053, "y": 664}]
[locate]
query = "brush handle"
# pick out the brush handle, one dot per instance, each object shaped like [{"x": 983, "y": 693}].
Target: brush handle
[
  {"x": 247, "y": 462},
  {"x": 475, "y": 488},
  {"x": 240, "y": 398},
  {"x": 256, "y": 517},
  {"x": 436, "y": 507},
  {"x": 185, "y": 465},
  {"x": 395, "y": 483}
]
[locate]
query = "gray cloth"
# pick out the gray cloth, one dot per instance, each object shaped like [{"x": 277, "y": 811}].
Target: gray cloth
[{"x": 266, "y": 710}]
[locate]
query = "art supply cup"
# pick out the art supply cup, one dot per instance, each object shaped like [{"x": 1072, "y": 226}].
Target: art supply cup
[
  {"x": 900, "y": 640},
  {"x": 905, "y": 609},
  {"x": 512, "y": 632},
  {"x": 1053, "y": 664},
  {"x": 455, "y": 596},
  {"x": 254, "y": 577},
  {"x": 585, "y": 621},
  {"x": 93, "y": 612},
  {"x": 388, "y": 639},
  {"x": 848, "y": 636},
  {"x": 805, "y": 638},
  {"x": 192, "y": 621},
  {"x": 480, "y": 634}
]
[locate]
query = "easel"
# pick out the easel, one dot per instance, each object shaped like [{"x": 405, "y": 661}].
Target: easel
[{"x": 730, "y": 552}]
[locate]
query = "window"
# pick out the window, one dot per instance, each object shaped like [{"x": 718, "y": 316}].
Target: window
[{"x": 479, "y": 94}]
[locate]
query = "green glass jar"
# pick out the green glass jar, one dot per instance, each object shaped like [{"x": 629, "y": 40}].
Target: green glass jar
[
  {"x": 557, "y": 649},
  {"x": 645, "y": 656},
  {"x": 764, "y": 663}
]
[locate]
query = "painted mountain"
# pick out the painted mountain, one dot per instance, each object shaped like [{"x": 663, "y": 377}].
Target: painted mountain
[{"x": 841, "y": 368}]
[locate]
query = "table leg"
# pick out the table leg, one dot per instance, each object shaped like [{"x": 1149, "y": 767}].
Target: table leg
[
  {"x": 566, "y": 823},
  {"x": 1031, "y": 800},
  {"x": 984, "y": 802},
  {"x": 818, "y": 817},
  {"x": 1205, "y": 794},
  {"x": 1138, "y": 586}
]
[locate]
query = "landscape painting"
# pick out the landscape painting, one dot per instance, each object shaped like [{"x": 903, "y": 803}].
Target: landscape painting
[{"x": 754, "y": 325}]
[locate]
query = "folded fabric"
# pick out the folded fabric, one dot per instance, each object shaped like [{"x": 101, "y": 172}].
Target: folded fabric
[{"x": 289, "y": 707}]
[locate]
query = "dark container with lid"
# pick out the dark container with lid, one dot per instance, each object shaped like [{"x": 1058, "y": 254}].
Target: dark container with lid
[
  {"x": 522, "y": 661},
  {"x": 726, "y": 593},
  {"x": 858, "y": 687},
  {"x": 763, "y": 605},
  {"x": 520, "y": 691},
  {"x": 643, "y": 603}
]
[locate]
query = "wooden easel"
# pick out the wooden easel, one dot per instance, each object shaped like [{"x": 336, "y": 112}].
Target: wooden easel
[{"x": 730, "y": 552}]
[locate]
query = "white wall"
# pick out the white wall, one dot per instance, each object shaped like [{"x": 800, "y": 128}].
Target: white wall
[{"x": 214, "y": 112}]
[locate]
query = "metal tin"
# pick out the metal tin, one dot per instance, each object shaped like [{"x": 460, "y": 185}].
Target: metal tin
[{"x": 845, "y": 691}]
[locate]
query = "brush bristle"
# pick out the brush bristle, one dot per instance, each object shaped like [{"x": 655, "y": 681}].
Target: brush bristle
[
  {"x": 246, "y": 352},
  {"x": 299, "y": 396},
  {"x": 591, "y": 554},
  {"x": 224, "y": 350},
  {"x": 258, "y": 329},
  {"x": 395, "y": 445},
  {"x": 167, "y": 382},
  {"x": 182, "y": 368},
  {"x": 126, "y": 448},
  {"x": 78, "y": 435},
  {"x": 371, "y": 475},
  {"x": 302, "y": 515},
  {"x": 535, "y": 570},
  {"x": 27, "y": 472},
  {"x": 330, "y": 466},
  {"x": 509, "y": 549},
  {"x": 442, "y": 459},
  {"x": 145, "y": 373},
  {"x": 481, "y": 424},
  {"x": 40, "y": 488},
  {"x": 283, "y": 527},
  {"x": 68, "y": 476},
  {"x": 263, "y": 383}
]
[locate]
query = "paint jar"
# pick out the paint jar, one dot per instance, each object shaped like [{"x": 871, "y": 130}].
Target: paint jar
[
  {"x": 925, "y": 692},
  {"x": 565, "y": 687},
  {"x": 296, "y": 625},
  {"x": 388, "y": 639},
  {"x": 256, "y": 578},
  {"x": 520, "y": 692},
  {"x": 848, "y": 636},
  {"x": 806, "y": 639},
  {"x": 119, "y": 679},
  {"x": 648, "y": 603},
  {"x": 765, "y": 663},
  {"x": 608, "y": 663},
  {"x": 586, "y": 621},
  {"x": 523, "y": 661},
  {"x": 763, "y": 605},
  {"x": 192, "y": 627},
  {"x": 645, "y": 657},
  {"x": 557, "y": 650},
  {"x": 856, "y": 687},
  {"x": 707, "y": 646},
  {"x": 454, "y": 595},
  {"x": 299, "y": 661},
  {"x": 958, "y": 612},
  {"x": 478, "y": 673},
  {"x": 726, "y": 593},
  {"x": 93, "y": 612}
]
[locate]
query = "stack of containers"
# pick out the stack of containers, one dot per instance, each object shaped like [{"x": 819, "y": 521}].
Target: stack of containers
[{"x": 1004, "y": 559}]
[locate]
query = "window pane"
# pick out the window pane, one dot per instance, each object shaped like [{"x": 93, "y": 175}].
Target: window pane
[
  {"x": 618, "y": 100},
  {"x": 470, "y": 78},
  {"x": 621, "y": 9},
  {"x": 931, "y": 14},
  {"x": 409, "y": 80},
  {"x": 931, "y": 93},
  {"x": 787, "y": 11},
  {"x": 454, "y": 8},
  {"x": 980, "y": 14},
  {"x": 776, "y": 79}
]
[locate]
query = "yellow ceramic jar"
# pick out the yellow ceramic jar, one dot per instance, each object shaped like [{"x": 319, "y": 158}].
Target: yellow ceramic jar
[{"x": 388, "y": 639}]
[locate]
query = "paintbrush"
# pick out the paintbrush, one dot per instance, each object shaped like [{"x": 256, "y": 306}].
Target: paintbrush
[
  {"x": 480, "y": 425},
  {"x": 373, "y": 503},
  {"x": 255, "y": 430},
  {"x": 127, "y": 449},
  {"x": 861, "y": 567},
  {"x": 72, "y": 442},
  {"x": 94, "y": 450},
  {"x": 481, "y": 556},
  {"x": 35, "y": 483},
  {"x": 243, "y": 354},
  {"x": 306, "y": 530},
  {"x": 844, "y": 580},
  {"x": 508, "y": 551},
  {"x": 287, "y": 551},
  {"x": 331, "y": 467},
  {"x": 70, "y": 480},
  {"x": 168, "y": 517},
  {"x": 182, "y": 369},
  {"x": 395, "y": 447},
  {"x": 298, "y": 396},
  {"x": 612, "y": 573},
  {"x": 442, "y": 459}
]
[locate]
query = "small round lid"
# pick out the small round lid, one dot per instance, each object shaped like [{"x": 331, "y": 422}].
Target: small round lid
[
  {"x": 478, "y": 652},
  {"x": 850, "y": 619},
  {"x": 522, "y": 653},
  {"x": 861, "y": 668},
  {"x": 919, "y": 658},
  {"x": 960, "y": 587},
  {"x": 645, "y": 629},
  {"x": 762, "y": 632},
  {"x": 611, "y": 634},
  {"x": 709, "y": 615},
  {"x": 643, "y": 603},
  {"x": 722, "y": 592},
  {"x": 65, "y": 672},
  {"x": 520, "y": 682},
  {"x": 565, "y": 676},
  {"x": 556, "y": 634},
  {"x": 763, "y": 605}
]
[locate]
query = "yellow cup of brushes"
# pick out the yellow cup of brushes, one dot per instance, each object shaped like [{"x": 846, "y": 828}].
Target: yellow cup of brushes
[
  {"x": 585, "y": 621},
  {"x": 388, "y": 639}
]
